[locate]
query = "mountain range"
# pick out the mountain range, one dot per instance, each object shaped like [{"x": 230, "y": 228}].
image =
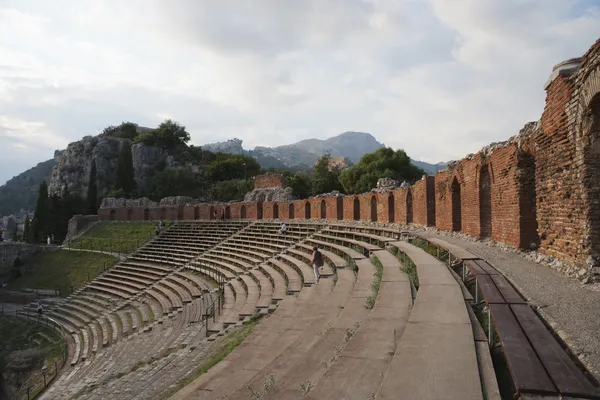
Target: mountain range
[
  {"x": 303, "y": 154},
  {"x": 20, "y": 193}
]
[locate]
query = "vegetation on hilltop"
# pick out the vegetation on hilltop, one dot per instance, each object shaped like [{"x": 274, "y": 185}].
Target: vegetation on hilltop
[{"x": 384, "y": 163}]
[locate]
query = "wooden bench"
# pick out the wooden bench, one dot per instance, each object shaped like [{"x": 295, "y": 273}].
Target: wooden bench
[{"x": 537, "y": 362}]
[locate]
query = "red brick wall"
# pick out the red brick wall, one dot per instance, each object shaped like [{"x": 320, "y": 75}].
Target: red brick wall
[
  {"x": 559, "y": 193},
  {"x": 400, "y": 205},
  {"x": 423, "y": 201},
  {"x": 268, "y": 180},
  {"x": 348, "y": 202},
  {"x": 443, "y": 200}
]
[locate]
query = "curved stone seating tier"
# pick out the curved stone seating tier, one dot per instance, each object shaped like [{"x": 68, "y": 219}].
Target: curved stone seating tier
[
  {"x": 292, "y": 277},
  {"x": 277, "y": 279},
  {"x": 182, "y": 293},
  {"x": 360, "y": 368},
  {"x": 392, "y": 233},
  {"x": 135, "y": 273},
  {"x": 273, "y": 337},
  {"x": 148, "y": 267},
  {"x": 349, "y": 243},
  {"x": 335, "y": 260},
  {"x": 210, "y": 268},
  {"x": 340, "y": 250},
  {"x": 255, "y": 251},
  {"x": 308, "y": 275},
  {"x": 265, "y": 286},
  {"x": 187, "y": 285},
  {"x": 370, "y": 238},
  {"x": 306, "y": 259},
  {"x": 258, "y": 245},
  {"x": 226, "y": 263}
]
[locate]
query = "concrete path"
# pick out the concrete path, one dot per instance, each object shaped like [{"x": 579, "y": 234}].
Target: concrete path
[
  {"x": 436, "y": 357},
  {"x": 118, "y": 256},
  {"x": 570, "y": 307}
]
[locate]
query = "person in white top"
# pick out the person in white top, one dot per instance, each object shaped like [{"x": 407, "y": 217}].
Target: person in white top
[{"x": 283, "y": 229}]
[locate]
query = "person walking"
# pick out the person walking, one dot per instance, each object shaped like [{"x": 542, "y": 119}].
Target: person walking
[
  {"x": 40, "y": 308},
  {"x": 317, "y": 263},
  {"x": 283, "y": 229}
]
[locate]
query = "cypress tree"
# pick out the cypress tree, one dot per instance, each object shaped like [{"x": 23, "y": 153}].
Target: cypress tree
[
  {"x": 92, "y": 190},
  {"x": 26, "y": 230},
  {"x": 124, "y": 179},
  {"x": 39, "y": 223}
]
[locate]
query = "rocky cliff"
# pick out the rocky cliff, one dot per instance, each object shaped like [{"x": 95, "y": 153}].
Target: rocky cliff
[{"x": 73, "y": 165}]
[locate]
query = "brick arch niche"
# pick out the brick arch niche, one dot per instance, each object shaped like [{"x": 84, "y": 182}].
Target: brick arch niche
[
  {"x": 275, "y": 211},
  {"x": 323, "y": 209},
  {"x": 373, "y": 209},
  {"x": 391, "y": 208},
  {"x": 456, "y": 206},
  {"x": 409, "y": 207},
  {"x": 591, "y": 125},
  {"x": 485, "y": 202},
  {"x": 243, "y": 212},
  {"x": 307, "y": 210},
  {"x": 291, "y": 211},
  {"x": 356, "y": 209}
]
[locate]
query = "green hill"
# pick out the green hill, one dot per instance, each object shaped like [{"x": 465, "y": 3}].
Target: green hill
[{"x": 21, "y": 191}]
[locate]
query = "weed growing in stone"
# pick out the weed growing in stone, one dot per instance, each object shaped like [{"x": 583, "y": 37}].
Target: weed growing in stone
[
  {"x": 306, "y": 387},
  {"x": 370, "y": 300}
]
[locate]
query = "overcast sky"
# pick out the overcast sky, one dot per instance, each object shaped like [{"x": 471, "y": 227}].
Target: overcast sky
[{"x": 438, "y": 78}]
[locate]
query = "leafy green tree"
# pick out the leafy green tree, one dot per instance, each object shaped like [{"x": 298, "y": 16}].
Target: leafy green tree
[
  {"x": 173, "y": 182},
  {"x": 124, "y": 178},
  {"x": 168, "y": 135},
  {"x": 325, "y": 178},
  {"x": 231, "y": 190},
  {"x": 231, "y": 166},
  {"x": 301, "y": 184},
  {"x": 39, "y": 224},
  {"x": 92, "y": 190},
  {"x": 383, "y": 163}
]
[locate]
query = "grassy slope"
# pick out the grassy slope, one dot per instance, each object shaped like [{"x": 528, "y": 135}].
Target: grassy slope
[
  {"x": 116, "y": 237},
  {"x": 44, "y": 344},
  {"x": 61, "y": 270}
]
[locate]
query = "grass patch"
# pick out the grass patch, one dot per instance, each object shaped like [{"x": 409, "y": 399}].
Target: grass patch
[
  {"x": 408, "y": 266},
  {"x": 229, "y": 343},
  {"x": 370, "y": 301},
  {"x": 116, "y": 237},
  {"x": 431, "y": 249},
  {"x": 62, "y": 270},
  {"x": 25, "y": 347}
]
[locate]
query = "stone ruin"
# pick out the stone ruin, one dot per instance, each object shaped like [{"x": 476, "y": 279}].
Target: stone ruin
[{"x": 386, "y": 185}]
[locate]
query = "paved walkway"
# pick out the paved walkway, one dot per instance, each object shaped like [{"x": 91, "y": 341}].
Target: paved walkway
[
  {"x": 118, "y": 256},
  {"x": 570, "y": 307}
]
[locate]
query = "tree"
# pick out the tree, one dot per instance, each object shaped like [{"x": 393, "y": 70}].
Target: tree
[
  {"x": 125, "y": 179},
  {"x": 173, "y": 182},
  {"x": 232, "y": 166},
  {"x": 301, "y": 184},
  {"x": 92, "y": 190},
  {"x": 127, "y": 130},
  {"x": 26, "y": 229},
  {"x": 383, "y": 163},
  {"x": 168, "y": 135},
  {"x": 231, "y": 190},
  {"x": 39, "y": 224},
  {"x": 325, "y": 178}
]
